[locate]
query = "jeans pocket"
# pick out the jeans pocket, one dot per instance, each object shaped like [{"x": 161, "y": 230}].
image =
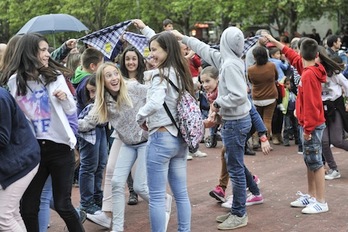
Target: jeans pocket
[{"x": 311, "y": 149}]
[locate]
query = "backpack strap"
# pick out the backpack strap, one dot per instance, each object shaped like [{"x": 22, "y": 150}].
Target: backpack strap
[
  {"x": 166, "y": 106},
  {"x": 170, "y": 82},
  {"x": 171, "y": 116}
]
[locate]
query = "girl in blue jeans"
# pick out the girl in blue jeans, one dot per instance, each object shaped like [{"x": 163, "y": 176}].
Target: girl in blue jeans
[
  {"x": 117, "y": 102},
  {"x": 93, "y": 157},
  {"x": 166, "y": 151}
]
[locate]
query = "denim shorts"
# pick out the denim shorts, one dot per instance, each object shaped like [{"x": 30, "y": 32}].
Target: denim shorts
[{"x": 312, "y": 149}]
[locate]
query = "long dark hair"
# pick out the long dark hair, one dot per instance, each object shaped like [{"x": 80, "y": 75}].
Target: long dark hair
[
  {"x": 26, "y": 64},
  {"x": 10, "y": 48},
  {"x": 91, "y": 81},
  {"x": 141, "y": 64},
  {"x": 175, "y": 59},
  {"x": 331, "y": 66}
]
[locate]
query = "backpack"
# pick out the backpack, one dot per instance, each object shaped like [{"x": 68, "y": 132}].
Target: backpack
[{"x": 190, "y": 122}]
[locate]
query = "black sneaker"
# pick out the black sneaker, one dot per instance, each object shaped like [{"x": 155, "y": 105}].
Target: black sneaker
[
  {"x": 83, "y": 216},
  {"x": 91, "y": 209},
  {"x": 133, "y": 198},
  {"x": 98, "y": 202}
]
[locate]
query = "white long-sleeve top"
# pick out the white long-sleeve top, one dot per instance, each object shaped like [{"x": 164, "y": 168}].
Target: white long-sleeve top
[
  {"x": 59, "y": 130},
  {"x": 332, "y": 88}
]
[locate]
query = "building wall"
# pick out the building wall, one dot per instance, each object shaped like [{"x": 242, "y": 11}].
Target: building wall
[{"x": 321, "y": 25}]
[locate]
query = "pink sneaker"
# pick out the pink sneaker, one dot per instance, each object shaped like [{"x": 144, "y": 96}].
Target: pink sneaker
[
  {"x": 256, "y": 179},
  {"x": 218, "y": 193},
  {"x": 254, "y": 200}
]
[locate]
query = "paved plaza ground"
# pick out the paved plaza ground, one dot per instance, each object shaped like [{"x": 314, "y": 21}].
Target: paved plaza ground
[{"x": 282, "y": 174}]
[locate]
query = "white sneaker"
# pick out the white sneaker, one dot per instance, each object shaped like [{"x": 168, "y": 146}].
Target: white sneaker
[
  {"x": 189, "y": 157},
  {"x": 100, "y": 218},
  {"x": 169, "y": 200},
  {"x": 332, "y": 174},
  {"x": 302, "y": 201},
  {"x": 198, "y": 153},
  {"x": 228, "y": 203},
  {"x": 315, "y": 207}
]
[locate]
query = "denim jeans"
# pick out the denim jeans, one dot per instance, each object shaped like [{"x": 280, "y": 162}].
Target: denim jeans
[
  {"x": 251, "y": 184},
  {"x": 234, "y": 133},
  {"x": 166, "y": 161},
  {"x": 46, "y": 203},
  {"x": 128, "y": 155},
  {"x": 290, "y": 127},
  {"x": 312, "y": 149},
  {"x": 93, "y": 160},
  {"x": 57, "y": 160}
]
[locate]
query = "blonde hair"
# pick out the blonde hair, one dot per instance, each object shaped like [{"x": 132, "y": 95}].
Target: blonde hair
[{"x": 100, "y": 106}]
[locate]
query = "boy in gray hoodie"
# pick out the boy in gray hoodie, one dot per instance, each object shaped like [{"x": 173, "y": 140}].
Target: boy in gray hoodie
[{"x": 233, "y": 105}]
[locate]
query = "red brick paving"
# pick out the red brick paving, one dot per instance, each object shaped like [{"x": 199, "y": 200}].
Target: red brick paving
[{"x": 282, "y": 174}]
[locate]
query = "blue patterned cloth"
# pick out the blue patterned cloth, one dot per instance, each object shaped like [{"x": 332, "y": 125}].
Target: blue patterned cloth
[
  {"x": 248, "y": 43},
  {"x": 106, "y": 39},
  {"x": 140, "y": 42}
]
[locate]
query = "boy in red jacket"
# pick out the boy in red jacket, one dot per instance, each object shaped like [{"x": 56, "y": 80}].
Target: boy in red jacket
[{"x": 310, "y": 115}]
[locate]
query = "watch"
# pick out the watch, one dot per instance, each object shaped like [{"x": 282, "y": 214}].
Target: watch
[{"x": 217, "y": 106}]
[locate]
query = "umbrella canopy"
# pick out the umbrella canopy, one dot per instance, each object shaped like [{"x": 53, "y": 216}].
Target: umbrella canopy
[{"x": 52, "y": 23}]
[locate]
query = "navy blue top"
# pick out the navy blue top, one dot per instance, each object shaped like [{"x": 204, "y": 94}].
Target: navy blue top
[{"x": 19, "y": 149}]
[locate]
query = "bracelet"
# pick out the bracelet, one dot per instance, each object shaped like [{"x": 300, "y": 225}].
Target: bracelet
[{"x": 263, "y": 138}]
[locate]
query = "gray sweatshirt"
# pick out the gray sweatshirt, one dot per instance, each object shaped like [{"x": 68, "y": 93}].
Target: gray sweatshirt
[
  {"x": 123, "y": 119},
  {"x": 232, "y": 96}
]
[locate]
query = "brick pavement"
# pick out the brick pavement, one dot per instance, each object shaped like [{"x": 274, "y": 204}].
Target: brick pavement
[{"x": 282, "y": 173}]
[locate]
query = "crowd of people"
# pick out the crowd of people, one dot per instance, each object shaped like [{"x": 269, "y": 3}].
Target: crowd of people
[{"x": 69, "y": 116}]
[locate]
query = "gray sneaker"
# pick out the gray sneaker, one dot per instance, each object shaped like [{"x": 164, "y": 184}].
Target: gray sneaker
[
  {"x": 233, "y": 222},
  {"x": 332, "y": 174},
  {"x": 222, "y": 218}
]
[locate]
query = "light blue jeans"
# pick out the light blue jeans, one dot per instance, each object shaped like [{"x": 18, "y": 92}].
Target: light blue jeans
[
  {"x": 46, "y": 203},
  {"x": 234, "y": 134},
  {"x": 127, "y": 156},
  {"x": 166, "y": 161}
]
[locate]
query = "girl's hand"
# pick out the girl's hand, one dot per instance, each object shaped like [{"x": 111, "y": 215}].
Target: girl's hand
[
  {"x": 210, "y": 121},
  {"x": 138, "y": 23},
  {"x": 60, "y": 94},
  {"x": 177, "y": 34}
]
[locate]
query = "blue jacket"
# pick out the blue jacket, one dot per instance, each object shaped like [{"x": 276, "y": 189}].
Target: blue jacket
[{"x": 19, "y": 149}]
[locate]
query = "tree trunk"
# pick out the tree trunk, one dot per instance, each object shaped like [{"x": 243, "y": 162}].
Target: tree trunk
[{"x": 293, "y": 20}]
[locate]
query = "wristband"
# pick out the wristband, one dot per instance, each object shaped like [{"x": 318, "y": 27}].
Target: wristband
[{"x": 263, "y": 138}]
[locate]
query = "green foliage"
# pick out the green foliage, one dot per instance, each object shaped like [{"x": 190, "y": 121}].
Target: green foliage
[{"x": 97, "y": 14}]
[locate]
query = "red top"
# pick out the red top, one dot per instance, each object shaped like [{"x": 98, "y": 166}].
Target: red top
[
  {"x": 309, "y": 106},
  {"x": 195, "y": 63}
]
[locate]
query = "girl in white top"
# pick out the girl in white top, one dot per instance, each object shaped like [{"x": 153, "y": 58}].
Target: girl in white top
[
  {"x": 166, "y": 151},
  {"x": 335, "y": 112},
  {"x": 41, "y": 91}
]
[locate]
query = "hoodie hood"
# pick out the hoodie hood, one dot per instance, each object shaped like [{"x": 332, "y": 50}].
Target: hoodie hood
[
  {"x": 319, "y": 71},
  {"x": 232, "y": 43},
  {"x": 79, "y": 75}
]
